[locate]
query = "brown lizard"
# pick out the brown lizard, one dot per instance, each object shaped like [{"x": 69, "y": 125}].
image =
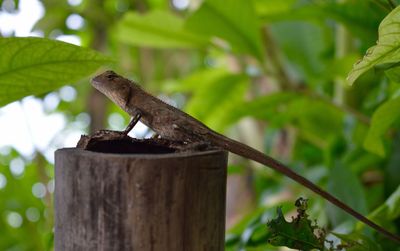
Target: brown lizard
[{"x": 173, "y": 124}]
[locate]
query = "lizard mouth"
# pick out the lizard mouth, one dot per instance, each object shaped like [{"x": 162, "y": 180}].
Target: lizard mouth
[
  {"x": 96, "y": 82},
  {"x": 105, "y": 77}
]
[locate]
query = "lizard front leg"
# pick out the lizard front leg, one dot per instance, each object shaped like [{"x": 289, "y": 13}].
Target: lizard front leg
[{"x": 133, "y": 122}]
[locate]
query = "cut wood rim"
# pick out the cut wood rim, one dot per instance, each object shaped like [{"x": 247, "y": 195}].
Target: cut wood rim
[
  {"x": 152, "y": 146},
  {"x": 144, "y": 155}
]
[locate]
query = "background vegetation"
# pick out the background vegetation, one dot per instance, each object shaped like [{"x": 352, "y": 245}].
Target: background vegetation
[{"x": 272, "y": 74}]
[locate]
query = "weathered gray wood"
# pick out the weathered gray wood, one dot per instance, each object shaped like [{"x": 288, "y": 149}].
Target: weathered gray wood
[{"x": 139, "y": 202}]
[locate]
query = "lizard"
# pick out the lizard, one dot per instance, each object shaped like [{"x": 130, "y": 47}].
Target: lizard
[{"x": 171, "y": 123}]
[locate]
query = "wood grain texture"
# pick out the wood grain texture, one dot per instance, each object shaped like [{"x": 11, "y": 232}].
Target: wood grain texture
[{"x": 139, "y": 202}]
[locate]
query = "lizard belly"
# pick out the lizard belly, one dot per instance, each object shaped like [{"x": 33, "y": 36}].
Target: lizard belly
[{"x": 167, "y": 130}]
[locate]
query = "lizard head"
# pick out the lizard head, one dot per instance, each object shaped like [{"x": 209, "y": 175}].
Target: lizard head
[{"x": 115, "y": 87}]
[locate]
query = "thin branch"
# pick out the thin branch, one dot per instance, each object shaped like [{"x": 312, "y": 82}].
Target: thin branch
[{"x": 275, "y": 67}]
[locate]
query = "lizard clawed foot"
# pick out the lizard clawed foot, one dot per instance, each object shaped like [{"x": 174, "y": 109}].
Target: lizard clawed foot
[
  {"x": 101, "y": 135},
  {"x": 156, "y": 136}
]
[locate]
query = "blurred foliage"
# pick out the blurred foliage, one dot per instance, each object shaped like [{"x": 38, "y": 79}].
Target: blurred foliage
[{"x": 282, "y": 65}]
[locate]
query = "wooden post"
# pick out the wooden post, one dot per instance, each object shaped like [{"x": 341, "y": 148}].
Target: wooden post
[{"x": 173, "y": 201}]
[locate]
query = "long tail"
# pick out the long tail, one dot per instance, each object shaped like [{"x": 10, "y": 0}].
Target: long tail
[{"x": 250, "y": 153}]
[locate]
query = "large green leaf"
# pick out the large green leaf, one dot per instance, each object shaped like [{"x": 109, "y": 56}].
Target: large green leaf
[
  {"x": 341, "y": 181},
  {"x": 381, "y": 121},
  {"x": 31, "y": 66},
  {"x": 232, "y": 20},
  {"x": 386, "y": 52},
  {"x": 159, "y": 29}
]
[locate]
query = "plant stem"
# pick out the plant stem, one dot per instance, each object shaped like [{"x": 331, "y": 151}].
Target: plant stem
[
  {"x": 342, "y": 47},
  {"x": 382, "y": 5},
  {"x": 275, "y": 67},
  {"x": 392, "y": 4}
]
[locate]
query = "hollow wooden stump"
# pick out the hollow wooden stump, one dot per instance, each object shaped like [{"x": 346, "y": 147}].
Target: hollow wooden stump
[{"x": 173, "y": 201}]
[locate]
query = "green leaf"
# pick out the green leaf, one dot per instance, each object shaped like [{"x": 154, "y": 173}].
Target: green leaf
[
  {"x": 297, "y": 234},
  {"x": 357, "y": 242},
  {"x": 393, "y": 205},
  {"x": 393, "y": 73},
  {"x": 342, "y": 180},
  {"x": 382, "y": 119},
  {"x": 32, "y": 66},
  {"x": 390, "y": 210},
  {"x": 386, "y": 51},
  {"x": 232, "y": 20},
  {"x": 385, "y": 214},
  {"x": 158, "y": 29}
]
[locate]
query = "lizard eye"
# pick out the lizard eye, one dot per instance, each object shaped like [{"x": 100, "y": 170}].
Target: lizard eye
[{"x": 111, "y": 75}]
